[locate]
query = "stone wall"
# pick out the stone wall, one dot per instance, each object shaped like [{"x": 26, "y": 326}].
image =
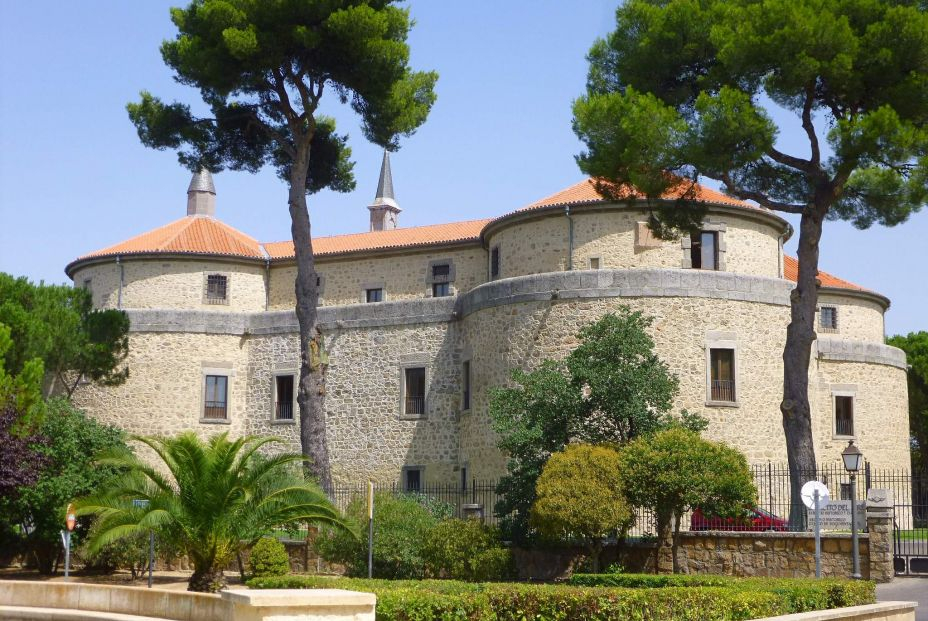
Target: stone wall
[
  {"x": 538, "y": 245},
  {"x": 402, "y": 275},
  {"x": 174, "y": 283},
  {"x": 858, "y": 318}
]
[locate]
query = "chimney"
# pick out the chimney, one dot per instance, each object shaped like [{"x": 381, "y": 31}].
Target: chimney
[
  {"x": 201, "y": 195},
  {"x": 384, "y": 210}
]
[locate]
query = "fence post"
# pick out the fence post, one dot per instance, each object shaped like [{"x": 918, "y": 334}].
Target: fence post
[{"x": 880, "y": 525}]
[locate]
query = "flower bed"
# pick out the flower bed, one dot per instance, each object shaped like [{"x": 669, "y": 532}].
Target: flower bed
[{"x": 726, "y": 599}]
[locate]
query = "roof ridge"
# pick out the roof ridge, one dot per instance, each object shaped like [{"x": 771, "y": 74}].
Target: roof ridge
[{"x": 397, "y": 230}]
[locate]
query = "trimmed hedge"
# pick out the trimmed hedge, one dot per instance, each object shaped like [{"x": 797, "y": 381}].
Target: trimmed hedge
[
  {"x": 802, "y": 594},
  {"x": 428, "y": 600}
]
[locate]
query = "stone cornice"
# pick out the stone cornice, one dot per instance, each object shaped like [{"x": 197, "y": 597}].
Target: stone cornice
[
  {"x": 862, "y": 294},
  {"x": 860, "y": 351}
]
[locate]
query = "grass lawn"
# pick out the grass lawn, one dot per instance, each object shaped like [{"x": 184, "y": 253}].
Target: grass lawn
[{"x": 912, "y": 534}]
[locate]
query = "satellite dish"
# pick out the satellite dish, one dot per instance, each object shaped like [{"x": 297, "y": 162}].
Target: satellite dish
[{"x": 808, "y": 494}]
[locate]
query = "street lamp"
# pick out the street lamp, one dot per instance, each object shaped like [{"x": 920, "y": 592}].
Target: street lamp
[{"x": 853, "y": 462}]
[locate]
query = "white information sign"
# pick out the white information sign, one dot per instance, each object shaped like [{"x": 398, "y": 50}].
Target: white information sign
[{"x": 836, "y": 515}]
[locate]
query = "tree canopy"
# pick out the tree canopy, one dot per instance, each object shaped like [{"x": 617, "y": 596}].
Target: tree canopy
[
  {"x": 675, "y": 470},
  {"x": 611, "y": 388},
  {"x": 682, "y": 89},
  {"x": 915, "y": 346},
  {"x": 57, "y": 326},
  {"x": 262, "y": 69},
  {"x": 580, "y": 496}
]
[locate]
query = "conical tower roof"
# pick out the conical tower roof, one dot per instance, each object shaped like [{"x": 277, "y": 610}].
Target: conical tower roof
[
  {"x": 202, "y": 181},
  {"x": 385, "y": 186}
]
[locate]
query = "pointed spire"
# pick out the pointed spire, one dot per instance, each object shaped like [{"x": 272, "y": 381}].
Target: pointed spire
[
  {"x": 201, "y": 194},
  {"x": 385, "y": 185},
  {"x": 384, "y": 210}
]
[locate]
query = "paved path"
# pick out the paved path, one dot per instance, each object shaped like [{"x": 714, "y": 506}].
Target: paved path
[{"x": 908, "y": 590}]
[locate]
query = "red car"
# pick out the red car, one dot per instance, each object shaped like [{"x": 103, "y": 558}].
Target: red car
[{"x": 754, "y": 520}]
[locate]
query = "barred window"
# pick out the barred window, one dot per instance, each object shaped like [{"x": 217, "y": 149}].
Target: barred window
[
  {"x": 283, "y": 406},
  {"x": 216, "y": 288},
  {"x": 828, "y": 318},
  {"x": 441, "y": 272},
  {"x": 722, "y": 374},
  {"x": 844, "y": 415},
  {"x": 414, "y": 391}
]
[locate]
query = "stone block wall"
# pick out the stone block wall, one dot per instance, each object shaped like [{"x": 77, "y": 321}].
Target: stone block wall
[{"x": 858, "y": 318}]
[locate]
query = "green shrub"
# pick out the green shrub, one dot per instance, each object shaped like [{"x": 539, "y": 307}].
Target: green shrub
[
  {"x": 269, "y": 558},
  {"x": 401, "y": 526},
  {"x": 729, "y": 599},
  {"x": 466, "y": 550}
]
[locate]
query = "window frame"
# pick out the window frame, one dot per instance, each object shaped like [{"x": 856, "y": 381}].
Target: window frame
[
  {"x": 845, "y": 392},
  {"x": 721, "y": 248},
  {"x": 380, "y": 295},
  {"x": 406, "y": 393},
  {"x": 437, "y": 285},
  {"x": 275, "y": 419},
  {"x": 496, "y": 262},
  {"x": 834, "y": 316},
  {"x": 420, "y": 473},
  {"x": 216, "y": 370},
  {"x": 413, "y": 361},
  {"x": 723, "y": 340},
  {"x": 597, "y": 259},
  {"x": 211, "y": 301}
]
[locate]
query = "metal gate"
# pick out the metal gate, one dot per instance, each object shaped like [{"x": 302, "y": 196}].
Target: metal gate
[{"x": 910, "y": 524}]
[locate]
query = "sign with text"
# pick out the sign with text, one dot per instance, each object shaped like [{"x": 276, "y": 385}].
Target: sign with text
[{"x": 836, "y": 515}]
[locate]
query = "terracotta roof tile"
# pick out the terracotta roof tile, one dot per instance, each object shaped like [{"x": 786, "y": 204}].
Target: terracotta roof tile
[
  {"x": 378, "y": 240},
  {"x": 585, "y": 192},
  {"x": 191, "y": 234},
  {"x": 791, "y": 272}
]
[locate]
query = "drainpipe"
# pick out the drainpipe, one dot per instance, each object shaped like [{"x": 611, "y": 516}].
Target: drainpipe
[
  {"x": 570, "y": 238},
  {"x": 788, "y": 232},
  {"x": 122, "y": 279},
  {"x": 267, "y": 284}
]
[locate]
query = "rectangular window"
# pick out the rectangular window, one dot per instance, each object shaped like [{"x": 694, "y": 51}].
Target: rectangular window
[
  {"x": 828, "y": 318},
  {"x": 465, "y": 380},
  {"x": 704, "y": 250},
  {"x": 217, "y": 391},
  {"x": 412, "y": 479},
  {"x": 494, "y": 262},
  {"x": 216, "y": 288},
  {"x": 414, "y": 391},
  {"x": 594, "y": 263},
  {"x": 722, "y": 374},
  {"x": 441, "y": 272},
  {"x": 283, "y": 405},
  {"x": 374, "y": 295},
  {"x": 441, "y": 289},
  {"x": 844, "y": 415}
]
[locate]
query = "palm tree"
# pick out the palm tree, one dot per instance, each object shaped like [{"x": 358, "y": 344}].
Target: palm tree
[{"x": 211, "y": 498}]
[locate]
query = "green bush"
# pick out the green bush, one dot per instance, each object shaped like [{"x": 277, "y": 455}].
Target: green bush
[
  {"x": 466, "y": 550},
  {"x": 425, "y": 600},
  {"x": 800, "y": 594},
  {"x": 269, "y": 558},
  {"x": 401, "y": 526}
]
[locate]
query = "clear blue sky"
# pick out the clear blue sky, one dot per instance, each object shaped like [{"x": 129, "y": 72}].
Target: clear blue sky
[{"x": 74, "y": 177}]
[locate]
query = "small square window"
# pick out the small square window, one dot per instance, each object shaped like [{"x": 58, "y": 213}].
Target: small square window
[
  {"x": 283, "y": 397},
  {"x": 412, "y": 479},
  {"x": 465, "y": 380},
  {"x": 704, "y": 250},
  {"x": 844, "y": 415},
  {"x": 414, "y": 391},
  {"x": 217, "y": 286},
  {"x": 722, "y": 375},
  {"x": 828, "y": 318},
  {"x": 494, "y": 262},
  {"x": 441, "y": 272},
  {"x": 216, "y": 397},
  {"x": 441, "y": 289},
  {"x": 374, "y": 295},
  {"x": 594, "y": 263}
]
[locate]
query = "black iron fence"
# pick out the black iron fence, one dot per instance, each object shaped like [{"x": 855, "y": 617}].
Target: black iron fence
[{"x": 474, "y": 499}]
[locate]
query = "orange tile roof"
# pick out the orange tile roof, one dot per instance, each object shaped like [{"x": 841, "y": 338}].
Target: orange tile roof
[
  {"x": 190, "y": 234},
  {"x": 585, "y": 192},
  {"x": 791, "y": 272},
  {"x": 379, "y": 240}
]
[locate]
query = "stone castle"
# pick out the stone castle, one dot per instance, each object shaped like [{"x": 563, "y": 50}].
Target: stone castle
[{"x": 419, "y": 323}]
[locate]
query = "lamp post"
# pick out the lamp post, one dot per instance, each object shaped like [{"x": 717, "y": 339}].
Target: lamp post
[{"x": 853, "y": 462}]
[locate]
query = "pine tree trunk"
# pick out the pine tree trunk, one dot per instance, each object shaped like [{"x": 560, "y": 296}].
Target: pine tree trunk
[
  {"x": 311, "y": 389},
  {"x": 797, "y": 415}
]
